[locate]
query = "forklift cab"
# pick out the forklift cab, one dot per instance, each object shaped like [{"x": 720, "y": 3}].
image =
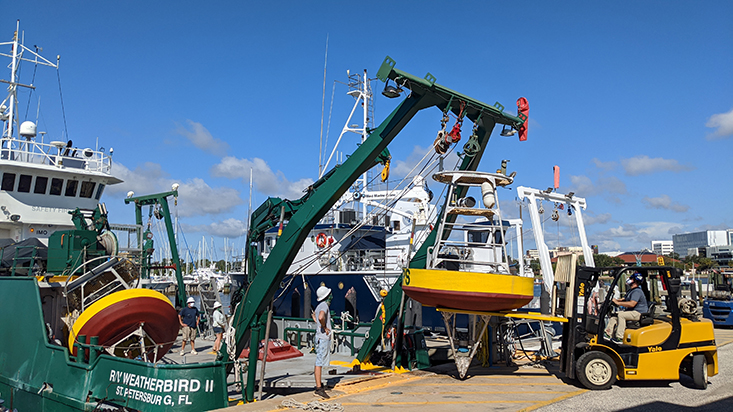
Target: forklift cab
[{"x": 659, "y": 346}]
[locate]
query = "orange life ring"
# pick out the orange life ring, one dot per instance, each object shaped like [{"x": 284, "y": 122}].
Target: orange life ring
[{"x": 321, "y": 240}]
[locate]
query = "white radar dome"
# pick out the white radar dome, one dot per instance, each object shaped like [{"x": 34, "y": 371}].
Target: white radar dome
[{"x": 28, "y": 129}]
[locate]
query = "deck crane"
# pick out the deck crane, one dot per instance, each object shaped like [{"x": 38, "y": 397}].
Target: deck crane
[{"x": 302, "y": 214}]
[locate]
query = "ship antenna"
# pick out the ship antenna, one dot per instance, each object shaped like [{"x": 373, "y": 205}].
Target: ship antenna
[
  {"x": 63, "y": 111},
  {"x": 323, "y": 105}
]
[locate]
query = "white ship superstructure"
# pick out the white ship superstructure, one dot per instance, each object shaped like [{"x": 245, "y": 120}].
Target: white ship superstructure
[{"x": 41, "y": 182}]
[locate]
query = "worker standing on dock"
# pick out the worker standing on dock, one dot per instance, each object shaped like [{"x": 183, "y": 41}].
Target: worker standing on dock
[
  {"x": 189, "y": 319},
  {"x": 219, "y": 325},
  {"x": 322, "y": 317}
]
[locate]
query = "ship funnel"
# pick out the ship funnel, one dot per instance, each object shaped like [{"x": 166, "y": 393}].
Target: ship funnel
[
  {"x": 28, "y": 129},
  {"x": 487, "y": 192}
]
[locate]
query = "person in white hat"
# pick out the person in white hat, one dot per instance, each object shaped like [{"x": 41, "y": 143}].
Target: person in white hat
[
  {"x": 322, "y": 317},
  {"x": 189, "y": 319},
  {"x": 220, "y": 324}
]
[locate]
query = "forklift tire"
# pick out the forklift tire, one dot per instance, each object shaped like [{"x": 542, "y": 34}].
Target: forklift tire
[
  {"x": 596, "y": 370},
  {"x": 700, "y": 371}
]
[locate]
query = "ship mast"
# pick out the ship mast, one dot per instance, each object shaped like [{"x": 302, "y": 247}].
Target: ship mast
[{"x": 17, "y": 50}]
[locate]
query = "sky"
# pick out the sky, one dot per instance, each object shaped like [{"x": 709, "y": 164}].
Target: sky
[{"x": 632, "y": 100}]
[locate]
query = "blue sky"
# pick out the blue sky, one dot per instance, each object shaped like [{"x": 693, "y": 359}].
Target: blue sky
[{"x": 633, "y": 100}]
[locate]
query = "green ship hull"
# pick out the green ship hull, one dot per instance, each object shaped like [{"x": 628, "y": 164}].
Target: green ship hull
[{"x": 38, "y": 375}]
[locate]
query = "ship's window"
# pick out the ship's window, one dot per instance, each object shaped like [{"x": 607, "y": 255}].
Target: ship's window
[
  {"x": 8, "y": 181},
  {"x": 24, "y": 183},
  {"x": 87, "y": 189},
  {"x": 41, "y": 183},
  {"x": 478, "y": 236},
  {"x": 71, "y": 186},
  {"x": 100, "y": 189},
  {"x": 56, "y": 185}
]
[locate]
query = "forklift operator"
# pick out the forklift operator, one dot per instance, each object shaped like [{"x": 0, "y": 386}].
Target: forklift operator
[{"x": 633, "y": 304}]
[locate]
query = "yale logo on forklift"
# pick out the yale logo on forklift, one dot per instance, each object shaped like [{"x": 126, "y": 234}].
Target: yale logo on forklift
[
  {"x": 654, "y": 348},
  {"x": 581, "y": 291}
]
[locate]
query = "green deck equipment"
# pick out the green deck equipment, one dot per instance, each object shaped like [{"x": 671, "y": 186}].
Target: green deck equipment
[
  {"x": 302, "y": 215},
  {"x": 163, "y": 212}
]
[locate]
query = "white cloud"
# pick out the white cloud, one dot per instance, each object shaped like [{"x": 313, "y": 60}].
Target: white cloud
[
  {"x": 604, "y": 165},
  {"x": 641, "y": 165},
  {"x": 201, "y": 138},
  {"x": 583, "y": 186},
  {"x": 723, "y": 122},
  {"x": 230, "y": 228},
  {"x": 589, "y": 219},
  {"x": 264, "y": 179},
  {"x": 195, "y": 197},
  {"x": 664, "y": 202},
  {"x": 621, "y": 231},
  {"x": 415, "y": 161},
  {"x": 144, "y": 179}
]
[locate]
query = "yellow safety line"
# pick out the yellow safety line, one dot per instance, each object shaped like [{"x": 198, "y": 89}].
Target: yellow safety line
[
  {"x": 480, "y": 392},
  {"x": 551, "y": 401},
  {"x": 516, "y": 315},
  {"x": 430, "y": 403},
  {"x": 345, "y": 388},
  {"x": 492, "y": 384},
  {"x": 725, "y": 343}
]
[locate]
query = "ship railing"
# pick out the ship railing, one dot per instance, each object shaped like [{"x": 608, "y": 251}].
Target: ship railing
[
  {"x": 129, "y": 237},
  {"x": 368, "y": 259},
  {"x": 33, "y": 152},
  {"x": 115, "y": 273},
  {"x": 19, "y": 259}
]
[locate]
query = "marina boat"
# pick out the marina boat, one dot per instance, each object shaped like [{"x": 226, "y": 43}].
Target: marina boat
[{"x": 207, "y": 274}]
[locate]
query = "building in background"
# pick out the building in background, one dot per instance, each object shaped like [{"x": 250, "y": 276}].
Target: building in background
[
  {"x": 662, "y": 247},
  {"x": 723, "y": 255},
  {"x": 688, "y": 243}
]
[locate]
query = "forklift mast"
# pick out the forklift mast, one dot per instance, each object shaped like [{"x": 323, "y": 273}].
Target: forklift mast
[{"x": 302, "y": 215}]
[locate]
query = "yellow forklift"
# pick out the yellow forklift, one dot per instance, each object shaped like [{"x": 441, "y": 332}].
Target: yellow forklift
[{"x": 660, "y": 346}]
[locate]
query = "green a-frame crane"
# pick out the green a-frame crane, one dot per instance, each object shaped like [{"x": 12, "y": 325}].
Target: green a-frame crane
[{"x": 302, "y": 215}]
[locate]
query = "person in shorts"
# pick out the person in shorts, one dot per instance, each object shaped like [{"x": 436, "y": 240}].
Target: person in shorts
[
  {"x": 322, "y": 317},
  {"x": 189, "y": 319},
  {"x": 220, "y": 324},
  {"x": 633, "y": 305}
]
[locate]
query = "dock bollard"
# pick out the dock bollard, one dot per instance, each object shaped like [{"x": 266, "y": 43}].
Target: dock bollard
[
  {"x": 93, "y": 344},
  {"x": 81, "y": 341}
]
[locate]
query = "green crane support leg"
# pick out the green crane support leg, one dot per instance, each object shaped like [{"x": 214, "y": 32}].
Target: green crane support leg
[{"x": 254, "y": 343}]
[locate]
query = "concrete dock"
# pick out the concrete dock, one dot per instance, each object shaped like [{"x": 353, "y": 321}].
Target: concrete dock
[{"x": 516, "y": 388}]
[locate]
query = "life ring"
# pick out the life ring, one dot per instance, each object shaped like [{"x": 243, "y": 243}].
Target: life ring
[{"x": 321, "y": 240}]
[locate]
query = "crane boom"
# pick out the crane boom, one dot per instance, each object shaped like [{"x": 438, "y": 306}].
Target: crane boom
[{"x": 304, "y": 213}]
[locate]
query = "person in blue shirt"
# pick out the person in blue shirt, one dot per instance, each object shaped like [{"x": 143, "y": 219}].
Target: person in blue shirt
[
  {"x": 189, "y": 320},
  {"x": 633, "y": 305},
  {"x": 322, "y": 317}
]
